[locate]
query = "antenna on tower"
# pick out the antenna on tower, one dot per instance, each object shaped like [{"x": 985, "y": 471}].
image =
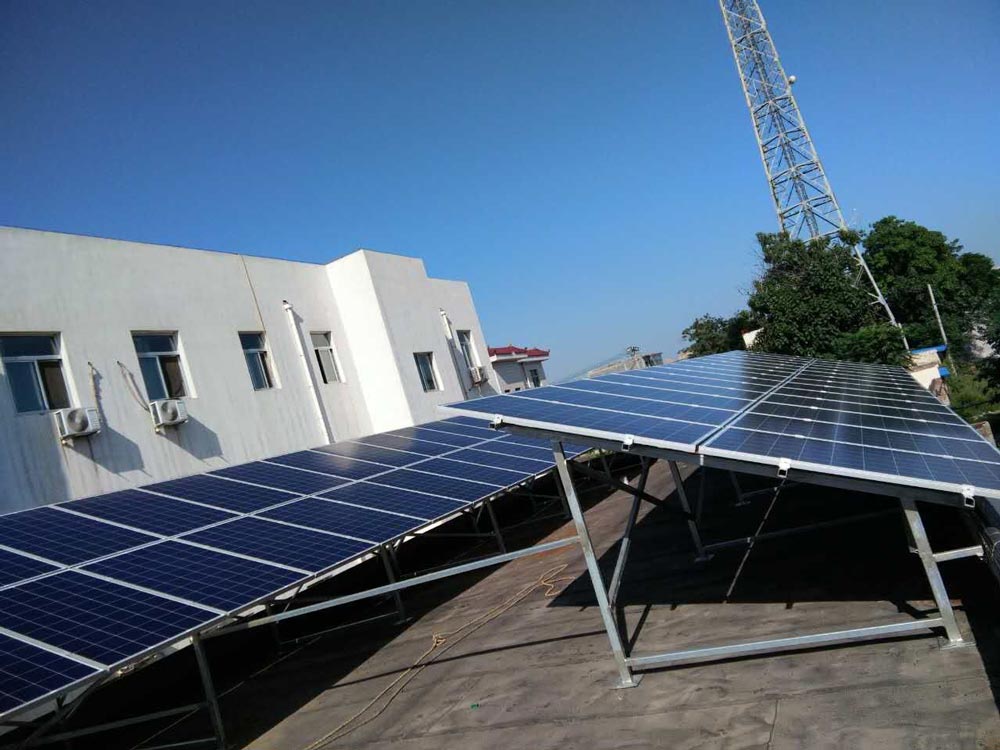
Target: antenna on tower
[{"x": 803, "y": 199}]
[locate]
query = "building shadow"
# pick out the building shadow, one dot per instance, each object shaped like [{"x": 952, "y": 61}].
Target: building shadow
[
  {"x": 109, "y": 449},
  {"x": 195, "y": 437}
]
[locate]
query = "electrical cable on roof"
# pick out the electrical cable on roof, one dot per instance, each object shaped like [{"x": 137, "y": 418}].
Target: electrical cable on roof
[{"x": 440, "y": 642}]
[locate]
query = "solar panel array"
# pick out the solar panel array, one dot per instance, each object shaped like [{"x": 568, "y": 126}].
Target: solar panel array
[
  {"x": 89, "y": 585},
  {"x": 856, "y": 420}
]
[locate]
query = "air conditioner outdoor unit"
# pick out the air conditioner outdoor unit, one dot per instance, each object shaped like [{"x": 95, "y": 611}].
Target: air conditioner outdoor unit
[
  {"x": 78, "y": 421},
  {"x": 168, "y": 411},
  {"x": 478, "y": 375}
]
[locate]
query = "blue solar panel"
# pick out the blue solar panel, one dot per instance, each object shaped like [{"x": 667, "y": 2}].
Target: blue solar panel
[
  {"x": 280, "y": 477},
  {"x": 458, "y": 489},
  {"x": 517, "y": 450},
  {"x": 203, "y": 576},
  {"x": 278, "y": 543},
  {"x": 221, "y": 493},
  {"x": 28, "y": 673},
  {"x": 491, "y": 476},
  {"x": 149, "y": 512},
  {"x": 330, "y": 464},
  {"x": 483, "y": 432},
  {"x": 485, "y": 458},
  {"x": 413, "y": 445},
  {"x": 437, "y": 436},
  {"x": 375, "y": 496},
  {"x": 613, "y": 388},
  {"x": 65, "y": 537},
  {"x": 594, "y": 418},
  {"x": 14, "y": 568},
  {"x": 373, "y": 453},
  {"x": 94, "y": 618},
  {"x": 360, "y": 523}
]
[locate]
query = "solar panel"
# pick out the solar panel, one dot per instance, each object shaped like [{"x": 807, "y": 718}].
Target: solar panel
[
  {"x": 458, "y": 489},
  {"x": 488, "y": 475},
  {"x": 479, "y": 433},
  {"x": 412, "y": 445},
  {"x": 517, "y": 450},
  {"x": 14, "y": 567},
  {"x": 329, "y": 464},
  {"x": 280, "y": 477},
  {"x": 426, "y": 507},
  {"x": 360, "y": 523},
  {"x": 203, "y": 576},
  {"x": 527, "y": 466},
  {"x": 437, "y": 436},
  {"x": 373, "y": 453},
  {"x": 100, "y": 620},
  {"x": 65, "y": 537},
  {"x": 306, "y": 550},
  {"x": 221, "y": 493},
  {"x": 866, "y": 422},
  {"x": 28, "y": 673},
  {"x": 149, "y": 512}
]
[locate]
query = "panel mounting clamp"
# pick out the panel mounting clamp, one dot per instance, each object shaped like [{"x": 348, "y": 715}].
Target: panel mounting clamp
[
  {"x": 627, "y": 442},
  {"x": 497, "y": 422},
  {"x": 969, "y": 495},
  {"x": 784, "y": 465}
]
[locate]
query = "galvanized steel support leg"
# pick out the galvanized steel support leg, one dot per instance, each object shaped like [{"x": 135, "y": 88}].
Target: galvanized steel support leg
[
  {"x": 496, "y": 526},
  {"x": 692, "y": 525},
  {"x": 926, "y": 555},
  {"x": 739, "y": 490},
  {"x": 625, "y": 676},
  {"x": 214, "y": 712},
  {"x": 387, "y": 561},
  {"x": 626, "y": 541}
]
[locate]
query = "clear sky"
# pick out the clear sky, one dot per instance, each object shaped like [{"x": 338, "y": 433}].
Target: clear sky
[{"x": 588, "y": 167}]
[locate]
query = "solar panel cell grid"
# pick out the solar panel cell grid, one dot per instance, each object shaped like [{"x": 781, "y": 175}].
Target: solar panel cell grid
[
  {"x": 476, "y": 456},
  {"x": 425, "y": 507},
  {"x": 14, "y": 567},
  {"x": 372, "y": 453},
  {"x": 203, "y": 576},
  {"x": 424, "y": 448},
  {"x": 329, "y": 464},
  {"x": 360, "y": 523},
  {"x": 285, "y": 545},
  {"x": 437, "y": 436},
  {"x": 221, "y": 493},
  {"x": 458, "y": 489},
  {"x": 65, "y": 537},
  {"x": 448, "y": 467},
  {"x": 281, "y": 477},
  {"x": 97, "y": 619},
  {"x": 28, "y": 673},
  {"x": 149, "y": 512}
]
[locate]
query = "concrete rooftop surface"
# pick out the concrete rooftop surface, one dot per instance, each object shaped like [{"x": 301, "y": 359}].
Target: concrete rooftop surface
[{"x": 530, "y": 667}]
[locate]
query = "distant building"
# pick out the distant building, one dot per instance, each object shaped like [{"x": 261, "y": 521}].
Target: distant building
[
  {"x": 518, "y": 368},
  {"x": 635, "y": 361},
  {"x": 263, "y": 356}
]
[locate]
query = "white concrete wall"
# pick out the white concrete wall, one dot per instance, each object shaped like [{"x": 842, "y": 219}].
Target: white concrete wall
[{"x": 95, "y": 292}]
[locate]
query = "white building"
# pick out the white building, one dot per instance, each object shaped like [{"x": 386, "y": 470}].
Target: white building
[
  {"x": 268, "y": 356},
  {"x": 518, "y": 368}
]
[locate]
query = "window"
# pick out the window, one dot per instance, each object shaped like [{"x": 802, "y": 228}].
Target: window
[
  {"x": 255, "y": 354},
  {"x": 535, "y": 378},
  {"x": 34, "y": 370},
  {"x": 465, "y": 343},
  {"x": 425, "y": 366},
  {"x": 160, "y": 364},
  {"x": 326, "y": 358}
]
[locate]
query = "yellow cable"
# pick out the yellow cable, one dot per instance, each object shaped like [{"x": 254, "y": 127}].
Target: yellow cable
[{"x": 440, "y": 642}]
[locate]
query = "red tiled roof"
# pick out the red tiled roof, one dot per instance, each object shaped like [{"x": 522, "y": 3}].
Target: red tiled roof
[{"x": 511, "y": 350}]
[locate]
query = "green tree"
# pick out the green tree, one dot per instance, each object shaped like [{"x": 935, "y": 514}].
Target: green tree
[
  {"x": 905, "y": 257},
  {"x": 810, "y": 303},
  {"x": 711, "y": 334}
]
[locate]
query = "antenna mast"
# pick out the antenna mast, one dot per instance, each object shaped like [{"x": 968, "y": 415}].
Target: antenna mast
[{"x": 804, "y": 201}]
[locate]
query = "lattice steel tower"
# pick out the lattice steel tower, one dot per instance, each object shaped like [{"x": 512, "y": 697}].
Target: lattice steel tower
[{"x": 805, "y": 203}]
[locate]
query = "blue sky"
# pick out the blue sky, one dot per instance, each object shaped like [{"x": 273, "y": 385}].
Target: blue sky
[{"x": 589, "y": 167}]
